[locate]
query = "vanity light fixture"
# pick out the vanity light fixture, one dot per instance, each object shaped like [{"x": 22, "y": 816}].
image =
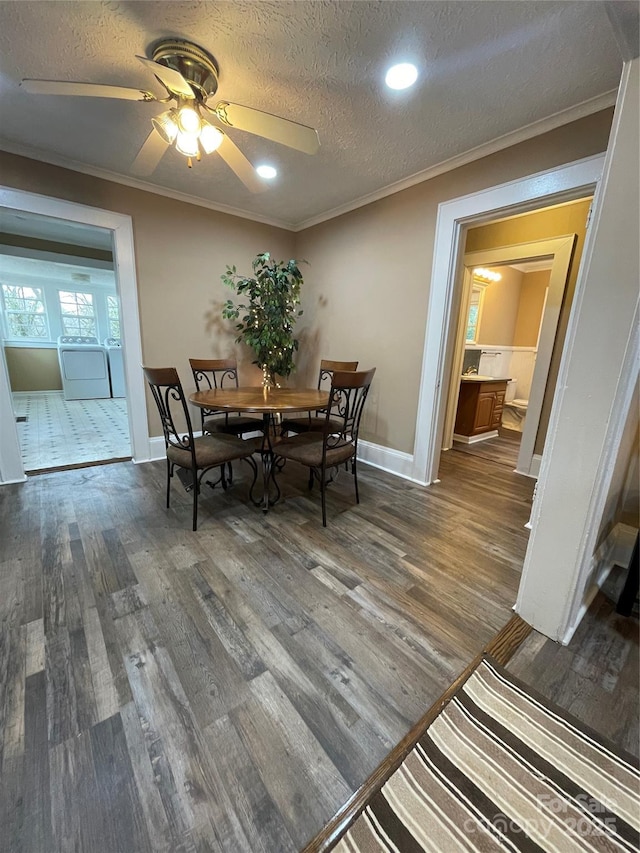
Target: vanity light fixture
[
  {"x": 401, "y": 76},
  {"x": 486, "y": 275}
]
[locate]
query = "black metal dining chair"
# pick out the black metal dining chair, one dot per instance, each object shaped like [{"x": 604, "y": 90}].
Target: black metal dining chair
[
  {"x": 315, "y": 421},
  {"x": 336, "y": 442},
  {"x": 195, "y": 455},
  {"x": 209, "y": 373}
]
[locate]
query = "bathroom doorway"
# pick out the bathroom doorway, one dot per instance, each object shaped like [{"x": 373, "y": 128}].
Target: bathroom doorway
[
  {"x": 513, "y": 327},
  {"x": 504, "y": 322}
]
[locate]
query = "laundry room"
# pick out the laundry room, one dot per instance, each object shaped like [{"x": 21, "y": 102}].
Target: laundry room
[{"x": 60, "y": 325}]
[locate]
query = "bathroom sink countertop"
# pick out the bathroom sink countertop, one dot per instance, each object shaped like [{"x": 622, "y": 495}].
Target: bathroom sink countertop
[{"x": 474, "y": 377}]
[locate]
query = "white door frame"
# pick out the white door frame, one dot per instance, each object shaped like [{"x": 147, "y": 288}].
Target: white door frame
[
  {"x": 562, "y": 184},
  {"x": 120, "y": 225},
  {"x": 559, "y": 250}
]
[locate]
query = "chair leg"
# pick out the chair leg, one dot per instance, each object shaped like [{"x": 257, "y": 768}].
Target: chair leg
[
  {"x": 169, "y": 474},
  {"x": 323, "y": 491},
  {"x": 196, "y": 490},
  {"x": 310, "y": 478},
  {"x": 355, "y": 478}
]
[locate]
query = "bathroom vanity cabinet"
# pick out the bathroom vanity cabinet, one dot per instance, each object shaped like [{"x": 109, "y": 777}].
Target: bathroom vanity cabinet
[{"x": 480, "y": 404}]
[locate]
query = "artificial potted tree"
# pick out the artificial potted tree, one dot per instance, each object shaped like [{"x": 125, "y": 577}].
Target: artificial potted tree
[{"x": 267, "y": 314}]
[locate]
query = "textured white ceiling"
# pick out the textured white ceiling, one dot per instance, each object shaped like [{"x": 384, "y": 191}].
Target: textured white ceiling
[{"x": 487, "y": 69}]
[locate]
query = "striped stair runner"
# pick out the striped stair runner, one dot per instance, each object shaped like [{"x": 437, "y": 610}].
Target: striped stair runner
[{"x": 500, "y": 769}]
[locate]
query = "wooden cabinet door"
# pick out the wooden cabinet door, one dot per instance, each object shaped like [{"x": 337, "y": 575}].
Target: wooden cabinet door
[
  {"x": 498, "y": 408},
  {"x": 484, "y": 411}
]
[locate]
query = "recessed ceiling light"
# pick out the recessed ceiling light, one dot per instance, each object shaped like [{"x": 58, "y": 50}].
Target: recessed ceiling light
[
  {"x": 267, "y": 172},
  {"x": 401, "y": 76}
]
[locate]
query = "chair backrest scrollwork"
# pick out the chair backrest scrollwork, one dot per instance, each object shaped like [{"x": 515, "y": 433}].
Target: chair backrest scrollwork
[
  {"x": 169, "y": 398},
  {"x": 349, "y": 390},
  {"x": 210, "y": 373},
  {"x": 328, "y": 367}
]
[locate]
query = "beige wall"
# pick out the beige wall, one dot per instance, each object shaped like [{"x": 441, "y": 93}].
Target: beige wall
[
  {"x": 532, "y": 297},
  {"x": 541, "y": 225},
  {"x": 181, "y": 251},
  {"x": 33, "y": 369},
  {"x": 500, "y": 309},
  {"x": 366, "y": 289}
]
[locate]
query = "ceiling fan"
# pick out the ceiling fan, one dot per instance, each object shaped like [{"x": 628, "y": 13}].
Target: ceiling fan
[{"x": 190, "y": 77}]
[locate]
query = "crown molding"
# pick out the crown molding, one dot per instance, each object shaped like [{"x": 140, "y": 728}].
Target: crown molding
[
  {"x": 529, "y": 131},
  {"x": 135, "y": 183},
  {"x": 586, "y": 108}
]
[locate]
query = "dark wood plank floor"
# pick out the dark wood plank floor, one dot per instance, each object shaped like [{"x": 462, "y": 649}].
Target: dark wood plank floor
[
  {"x": 596, "y": 677},
  {"x": 503, "y": 449},
  {"x": 226, "y": 690}
]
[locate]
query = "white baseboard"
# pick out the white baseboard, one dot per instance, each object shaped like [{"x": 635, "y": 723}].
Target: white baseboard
[
  {"x": 534, "y": 467},
  {"x": 156, "y": 450},
  {"x": 536, "y": 462},
  {"x": 474, "y": 439},
  {"x": 614, "y": 551},
  {"x": 386, "y": 459},
  {"x": 10, "y": 482}
]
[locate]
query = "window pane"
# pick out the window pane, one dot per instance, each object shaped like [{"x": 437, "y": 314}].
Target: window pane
[
  {"x": 25, "y": 312},
  {"x": 78, "y": 316},
  {"x": 114, "y": 317},
  {"x": 472, "y": 322}
]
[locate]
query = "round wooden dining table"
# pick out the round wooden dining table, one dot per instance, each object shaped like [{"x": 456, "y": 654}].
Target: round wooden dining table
[{"x": 267, "y": 402}]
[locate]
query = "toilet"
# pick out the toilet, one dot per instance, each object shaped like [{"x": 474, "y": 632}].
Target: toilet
[{"x": 514, "y": 410}]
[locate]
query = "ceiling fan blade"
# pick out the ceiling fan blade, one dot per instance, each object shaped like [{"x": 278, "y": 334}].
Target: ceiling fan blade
[
  {"x": 150, "y": 154},
  {"x": 173, "y": 80},
  {"x": 92, "y": 90},
  {"x": 269, "y": 126},
  {"x": 235, "y": 159}
]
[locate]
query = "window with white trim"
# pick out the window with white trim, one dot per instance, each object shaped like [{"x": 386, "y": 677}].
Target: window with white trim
[
  {"x": 77, "y": 312},
  {"x": 25, "y": 312}
]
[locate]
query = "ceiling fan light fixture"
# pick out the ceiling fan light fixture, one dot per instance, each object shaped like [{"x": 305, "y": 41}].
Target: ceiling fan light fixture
[
  {"x": 188, "y": 120},
  {"x": 166, "y": 126},
  {"x": 187, "y": 144},
  {"x": 210, "y": 137}
]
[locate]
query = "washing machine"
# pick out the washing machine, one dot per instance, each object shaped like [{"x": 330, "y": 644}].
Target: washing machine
[
  {"x": 116, "y": 366},
  {"x": 83, "y": 368}
]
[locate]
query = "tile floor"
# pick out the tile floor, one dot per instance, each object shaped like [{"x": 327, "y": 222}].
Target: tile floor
[{"x": 59, "y": 432}]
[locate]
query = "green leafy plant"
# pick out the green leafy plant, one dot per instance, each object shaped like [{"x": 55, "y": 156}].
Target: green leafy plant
[{"x": 268, "y": 312}]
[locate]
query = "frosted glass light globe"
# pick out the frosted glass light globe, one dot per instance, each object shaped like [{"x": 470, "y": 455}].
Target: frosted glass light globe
[{"x": 188, "y": 120}]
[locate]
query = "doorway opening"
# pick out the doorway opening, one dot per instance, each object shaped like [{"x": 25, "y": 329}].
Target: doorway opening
[
  {"x": 61, "y": 333},
  {"x": 501, "y": 328},
  {"x": 515, "y": 301},
  {"x": 455, "y": 218},
  {"x": 98, "y": 299}
]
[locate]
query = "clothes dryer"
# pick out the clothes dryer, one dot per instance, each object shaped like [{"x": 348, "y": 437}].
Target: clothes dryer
[{"x": 83, "y": 368}]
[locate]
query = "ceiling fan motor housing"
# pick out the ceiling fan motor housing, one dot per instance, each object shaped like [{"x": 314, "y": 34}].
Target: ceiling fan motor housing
[{"x": 197, "y": 67}]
